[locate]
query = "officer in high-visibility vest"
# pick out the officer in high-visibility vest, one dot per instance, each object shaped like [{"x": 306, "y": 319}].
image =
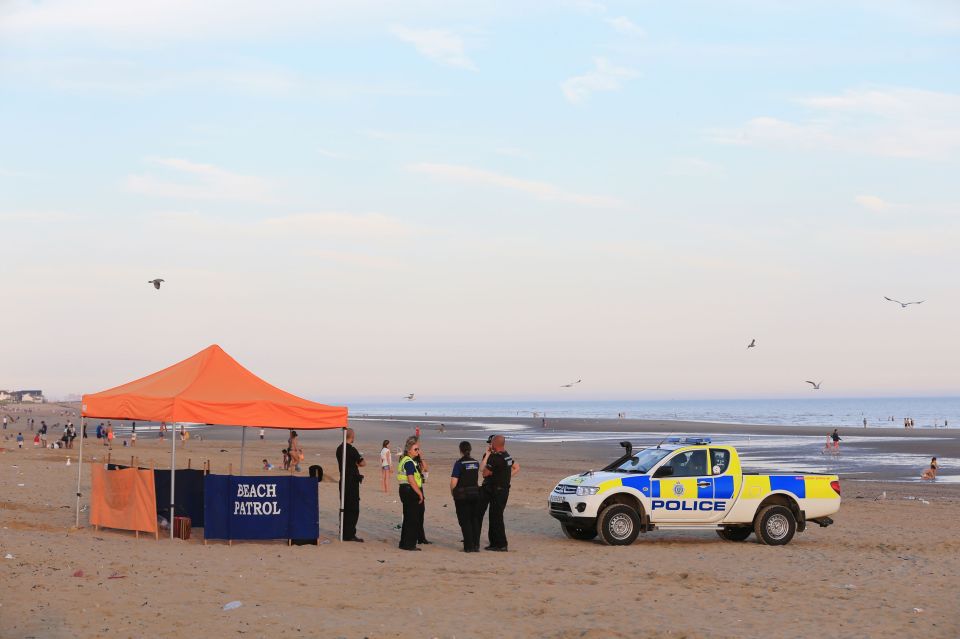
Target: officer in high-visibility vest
[{"x": 411, "y": 494}]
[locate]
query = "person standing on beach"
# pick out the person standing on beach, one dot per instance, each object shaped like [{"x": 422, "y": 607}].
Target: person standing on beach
[
  {"x": 350, "y": 475},
  {"x": 425, "y": 474},
  {"x": 498, "y": 469},
  {"x": 411, "y": 494},
  {"x": 294, "y": 450},
  {"x": 386, "y": 463},
  {"x": 835, "y": 438},
  {"x": 262, "y": 433},
  {"x": 20, "y": 441},
  {"x": 466, "y": 497}
]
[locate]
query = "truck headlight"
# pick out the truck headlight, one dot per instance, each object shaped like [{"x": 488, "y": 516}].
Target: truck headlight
[{"x": 587, "y": 490}]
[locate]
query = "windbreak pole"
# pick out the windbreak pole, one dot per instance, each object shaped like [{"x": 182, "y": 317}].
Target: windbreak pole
[{"x": 80, "y": 466}]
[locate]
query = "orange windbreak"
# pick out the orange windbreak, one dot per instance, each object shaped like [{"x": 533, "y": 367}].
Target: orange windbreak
[
  {"x": 123, "y": 499},
  {"x": 211, "y": 388}
]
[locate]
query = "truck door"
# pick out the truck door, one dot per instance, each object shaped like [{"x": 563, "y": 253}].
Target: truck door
[
  {"x": 725, "y": 482},
  {"x": 683, "y": 495}
]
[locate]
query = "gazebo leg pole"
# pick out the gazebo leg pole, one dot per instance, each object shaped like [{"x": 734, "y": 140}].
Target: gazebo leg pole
[
  {"x": 79, "y": 470},
  {"x": 173, "y": 475},
  {"x": 343, "y": 482},
  {"x": 243, "y": 444}
]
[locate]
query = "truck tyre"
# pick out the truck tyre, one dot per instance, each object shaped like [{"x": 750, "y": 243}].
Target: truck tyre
[
  {"x": 735, "y": 533},
  {"x": 775, "y": 525},
  {"x": 581, "y": 534},
  {"x": 618, "y": 525}
]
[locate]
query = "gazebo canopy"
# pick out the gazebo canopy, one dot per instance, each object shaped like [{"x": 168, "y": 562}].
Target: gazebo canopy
[{"x": 211, "y": 388}]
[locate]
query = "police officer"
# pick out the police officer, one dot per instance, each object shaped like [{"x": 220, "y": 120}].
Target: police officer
[
  {"x": 498, "y": 469},
  {"x": 351, "y": 491},
  {"x": 411, "y": 494},
  {"x": 466, "y": 497}
]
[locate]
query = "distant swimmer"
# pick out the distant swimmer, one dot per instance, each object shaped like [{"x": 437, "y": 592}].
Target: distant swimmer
[
  {"x": 752, "y": 344},
  {"x": 816, "y": 385},
  {"x": 571, "y": 384},
  {"x": 409, "y": 397},
  {"x": 902, "y": 304},
  {"x": 156, "y": 283}
]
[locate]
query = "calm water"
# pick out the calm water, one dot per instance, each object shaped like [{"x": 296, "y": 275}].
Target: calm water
[{"x": 927, "y": 412}]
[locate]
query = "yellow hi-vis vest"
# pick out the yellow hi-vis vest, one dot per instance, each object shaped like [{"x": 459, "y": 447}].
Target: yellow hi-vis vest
[{"x": 402, "y": 474}]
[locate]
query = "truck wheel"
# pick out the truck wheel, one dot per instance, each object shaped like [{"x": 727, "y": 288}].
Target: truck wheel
[
  {"x": 735, "y": 533},
  {"x": 775, "y": 525},
  {"x": 581, "y": 534},
  {"x": 618, "y": 525}
]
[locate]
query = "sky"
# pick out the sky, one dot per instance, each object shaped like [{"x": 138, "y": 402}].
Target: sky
[{"x": 486, "y": 200}]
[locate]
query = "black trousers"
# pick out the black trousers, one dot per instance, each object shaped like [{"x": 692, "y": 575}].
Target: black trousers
[
  {"x": 496, "y": 500},
  {"x": 413, "y": 512},
  {"x": 468, "y": 514},
  {"x": 351, "y": 509}
]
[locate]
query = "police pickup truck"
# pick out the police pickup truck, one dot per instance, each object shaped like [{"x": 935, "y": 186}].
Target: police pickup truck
[{"x": 690, "y": 484}]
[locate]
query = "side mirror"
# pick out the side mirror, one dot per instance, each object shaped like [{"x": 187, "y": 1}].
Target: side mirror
[{"x": 664, "y": 471}]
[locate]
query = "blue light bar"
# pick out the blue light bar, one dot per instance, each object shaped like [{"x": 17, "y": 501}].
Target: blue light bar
[{"x": 694, "y": 441}]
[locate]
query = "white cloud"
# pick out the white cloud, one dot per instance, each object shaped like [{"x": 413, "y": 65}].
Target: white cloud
[
  {"x": 439, "y": 45},
  {"x": 891, "y": 122},
  {"x": 200, "y": 181},
  {"x": 147, "y": 21},
  {"x": 604, "y": 77},
  {"x": 626, "y": 26},
  {"x": 692, "y": 167},
  {"x": 873, "y": 203},
  {"x": 330, "y": 154},
  {"x": 306, "y": 227},
  {"x": 539, "y": 190}
]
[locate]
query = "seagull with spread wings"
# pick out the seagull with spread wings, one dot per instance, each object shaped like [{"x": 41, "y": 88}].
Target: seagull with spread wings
[
  {"x": 902, "y": 304},
  {"x": 570, "y": 385},
  {"x": 409, "y": 397},
  {"x": 816, "y": 385}
]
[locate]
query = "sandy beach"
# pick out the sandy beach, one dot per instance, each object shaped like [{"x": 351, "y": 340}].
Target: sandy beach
[{"x": 887, "y": 568}]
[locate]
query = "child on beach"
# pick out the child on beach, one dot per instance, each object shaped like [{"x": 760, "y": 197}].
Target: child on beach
[
  {"x": 286, "y": 459},
  {"x": 36, "y": 439},
  {"x": 19, "y": 440},
  {"x": 267, "y": 465},
  {"x": 931, "y": 473}
]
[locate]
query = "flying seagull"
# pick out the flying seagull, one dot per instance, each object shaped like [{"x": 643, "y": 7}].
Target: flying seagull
[
  {"x": 156, "y": 283},
  {"x": 752, "y": 343},
  {"x": 409, "y": 397},
  {"x": 816, "y": 385},
  {"x": 570, "y": 385},
  {"x": 902, "y": 304}
]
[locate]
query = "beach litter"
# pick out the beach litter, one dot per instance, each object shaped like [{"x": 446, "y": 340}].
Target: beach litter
[
  {"x": 8, "y": 556},
  {"x": 117, "y": 575},
  {"x": 79, "y": 573},
  {"x": 925, "y": 502},
  {"x": 918, "y": 610},
  {"x": 846, "y": 587},
  {"x": 233, "y": 605}
]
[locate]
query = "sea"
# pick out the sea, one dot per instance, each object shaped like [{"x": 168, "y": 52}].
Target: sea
[{"x": 926, "y": 412}]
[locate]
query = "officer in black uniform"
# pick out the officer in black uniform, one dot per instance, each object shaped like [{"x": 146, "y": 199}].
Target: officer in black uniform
[
  {"x": 351, "y": 491},
  {"x": 466, "y": 497},
  {"x": 498, "y": 469}
]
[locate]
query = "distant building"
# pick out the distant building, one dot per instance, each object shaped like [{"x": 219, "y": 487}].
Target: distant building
[
  {"x": 27, "y": 396},
  {"x": 5, "y": 396}
]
